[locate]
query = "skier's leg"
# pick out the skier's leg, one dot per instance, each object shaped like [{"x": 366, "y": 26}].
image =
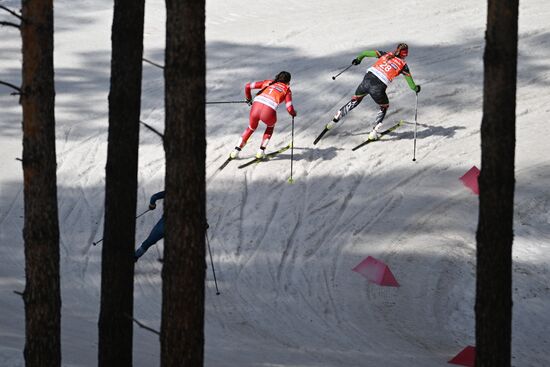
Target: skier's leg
[
  {"x": 381, "y": 114},
  {"x": 254, "y": 118},
  {"x": 361, "y": 91},
  {"x": 375, "y": 134},
  {"x": 378, "y": 94},
  {"x": 267, "y": 135},
  {"x": 269, "y": 117},
  {"x": 265, "y": 140},
  {"x": 157, "y": 233},
  {"x": 343, "y": 111}
]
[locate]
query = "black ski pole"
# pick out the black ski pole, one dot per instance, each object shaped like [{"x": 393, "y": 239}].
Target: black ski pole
[
  {"x": 152, "y": 129},
  {"x": 153, "y": 63},
  {"x": 218, "y": 102},
  {"x": 212, "y": 263},
  {"x": 415, "y": 123},
  {"x": 96, "y": 242},
  {"x": 291, "y": 151},
  {"x": 337, "y": 75}
]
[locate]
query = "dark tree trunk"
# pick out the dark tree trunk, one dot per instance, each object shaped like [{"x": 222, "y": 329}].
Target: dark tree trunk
[
  {"x": 41, "y": 230},
  {"x": 496, "y": 181},
  {"x": 183, "y": 273},
  {"x": 117, "y": 263}
]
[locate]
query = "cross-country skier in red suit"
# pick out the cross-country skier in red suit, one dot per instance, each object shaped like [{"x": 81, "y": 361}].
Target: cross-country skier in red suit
[{"x": 264, "y": 106}]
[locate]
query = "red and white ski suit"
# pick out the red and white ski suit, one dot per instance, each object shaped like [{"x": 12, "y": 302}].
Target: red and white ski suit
[{"x": 265, "y": 106}]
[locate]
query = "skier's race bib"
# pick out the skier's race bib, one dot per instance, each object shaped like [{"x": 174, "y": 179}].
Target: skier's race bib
[{"x": 388, "y": 67}]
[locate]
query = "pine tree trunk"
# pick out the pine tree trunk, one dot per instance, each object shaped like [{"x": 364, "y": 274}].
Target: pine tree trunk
[
  {"x": 496, "y": 181},
  {"x": 41, "y": 230},
  {"x": 183, "y": 273},
  {"x": 117, "y": 263}
]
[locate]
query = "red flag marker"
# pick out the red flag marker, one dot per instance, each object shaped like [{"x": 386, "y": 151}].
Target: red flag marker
[
  {"x": 470, "y": 179},
  {"x": 376, "y": 272},
  {"x": 467, "y": 357}
]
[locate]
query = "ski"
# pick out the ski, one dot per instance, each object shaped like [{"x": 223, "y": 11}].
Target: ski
[
  {"x": 225, "y": 163},
  {"x": 266, "y": 157},
  {"x": 387, "y": 131},
  {"x": 320, "y": 135}
]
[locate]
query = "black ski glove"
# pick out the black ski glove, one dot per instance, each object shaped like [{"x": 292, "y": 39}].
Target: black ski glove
[
  {"x": 417, "y": 89},
  {"x": 356, "y": 61}
]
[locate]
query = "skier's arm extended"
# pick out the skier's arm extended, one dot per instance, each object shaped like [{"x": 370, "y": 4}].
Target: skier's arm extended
[
  {"x": 153, "y": 201},
  {"x": 252, "y": 85},
  {"x": 289, "y": 106},
  {"x": 408, "y": 77},
  {"x": 369, "y": 53}
]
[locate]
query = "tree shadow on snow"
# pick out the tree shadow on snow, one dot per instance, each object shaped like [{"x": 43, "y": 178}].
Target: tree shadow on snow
[{"x": 283, "y": 256}]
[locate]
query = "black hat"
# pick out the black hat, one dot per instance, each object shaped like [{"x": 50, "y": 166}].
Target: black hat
[{"x": 283, "y": 76}]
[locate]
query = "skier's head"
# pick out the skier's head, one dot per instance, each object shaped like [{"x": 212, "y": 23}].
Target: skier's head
[
  {"x": 402, "y": 50},
  {"x": 283, "y": 77}
]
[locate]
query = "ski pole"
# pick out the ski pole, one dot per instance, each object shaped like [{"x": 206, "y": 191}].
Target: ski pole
[
  {"x": 337, "y": 75},
  {"x": 415, "y": 123},
  {"x": 153, "y": 63},
  {"x": 152, "y": 129},
  {"x": 96, "y": 242},
  {"x": 291, "y": 151},
  {"x": 212, "y": 263},
  {"x": 218, "y": 102}
]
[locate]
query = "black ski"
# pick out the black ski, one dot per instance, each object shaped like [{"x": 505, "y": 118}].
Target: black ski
[
  {"x": 225, "y": 163},
  {"x": 266, "y": 157},
  {"x": 320, "y": 135},
  {"x": 387, "y": 131}
]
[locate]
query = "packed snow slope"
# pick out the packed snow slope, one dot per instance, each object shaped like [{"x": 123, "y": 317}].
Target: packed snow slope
[{"x": 283, "y": 252}]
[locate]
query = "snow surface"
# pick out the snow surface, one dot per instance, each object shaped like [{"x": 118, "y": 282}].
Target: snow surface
[{"x": 283, "y": 252}]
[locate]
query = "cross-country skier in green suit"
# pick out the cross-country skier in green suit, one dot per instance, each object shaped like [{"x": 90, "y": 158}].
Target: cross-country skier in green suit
[{"x": 375, "y": 82}]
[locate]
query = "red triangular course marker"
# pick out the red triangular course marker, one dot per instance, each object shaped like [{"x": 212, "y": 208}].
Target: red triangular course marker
[
  {"x": 470, "y": 179},
  {"x": 467, "y": 357},
  {"x": 376, "y": 272}
]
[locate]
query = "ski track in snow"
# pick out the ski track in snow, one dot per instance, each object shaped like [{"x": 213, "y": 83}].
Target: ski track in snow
[{"x": 388, "y": 303}]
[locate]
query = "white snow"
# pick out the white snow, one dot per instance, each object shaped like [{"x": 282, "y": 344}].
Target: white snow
[{"x": 283, "y": 253}]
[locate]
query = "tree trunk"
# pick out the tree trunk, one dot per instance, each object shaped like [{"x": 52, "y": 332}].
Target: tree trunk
[
  {"x": 183, "y": 273},
  {"x": 496, "y": 181},
  {"x": 117, "y": 260},
  {"x": 41, "y": 230}
]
